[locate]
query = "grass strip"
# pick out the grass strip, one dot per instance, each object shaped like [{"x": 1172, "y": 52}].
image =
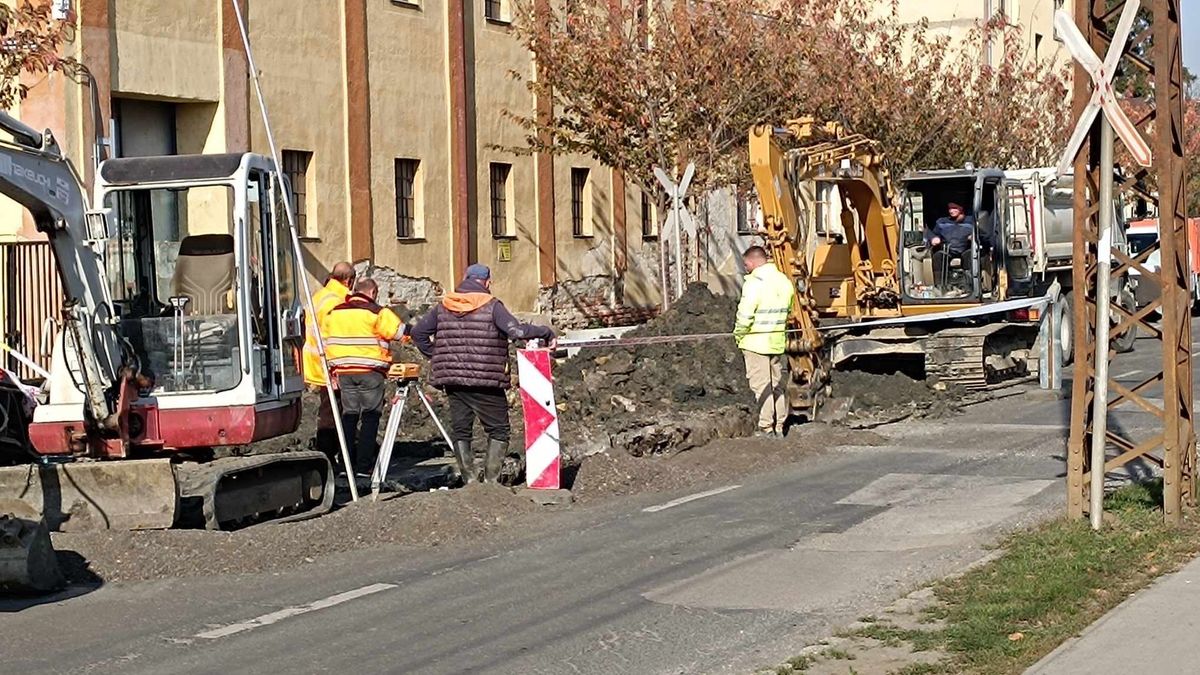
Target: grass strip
[{"x": 1055, "y": 580}]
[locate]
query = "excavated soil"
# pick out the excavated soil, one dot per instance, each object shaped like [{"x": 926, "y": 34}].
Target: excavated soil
[
  {"x": 607, "y": 395},
  {"x": 425, "y": 519},
  {"x": 653, "y": 417}
]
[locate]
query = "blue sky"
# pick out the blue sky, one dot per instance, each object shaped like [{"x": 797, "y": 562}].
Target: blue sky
[{"x": 1190, "y": 13}]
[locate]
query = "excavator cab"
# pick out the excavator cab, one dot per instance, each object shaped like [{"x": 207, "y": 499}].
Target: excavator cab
[
  {"x": 961, "y": 268},
  {"x": 203, "y": 283}
]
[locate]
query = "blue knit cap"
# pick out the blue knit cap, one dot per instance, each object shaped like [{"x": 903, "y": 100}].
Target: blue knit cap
[{"x": 478, "y": 271}]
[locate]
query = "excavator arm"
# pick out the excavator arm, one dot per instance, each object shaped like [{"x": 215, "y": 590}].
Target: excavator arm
[
  {"x": 35, "y": 174},
  {"x": 852, "y": 275}
]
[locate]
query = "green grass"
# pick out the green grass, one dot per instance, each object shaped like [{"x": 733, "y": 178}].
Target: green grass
[
  {"x": 1053, "y": 581},
  {"x": 1050, "y": 583},
  {"x": 837, "y": 654}
]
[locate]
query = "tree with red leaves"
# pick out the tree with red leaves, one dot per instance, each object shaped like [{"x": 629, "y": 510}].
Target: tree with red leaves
[
  {"x": 637, "y": 87},
  {"x": 30, "y": 40}
]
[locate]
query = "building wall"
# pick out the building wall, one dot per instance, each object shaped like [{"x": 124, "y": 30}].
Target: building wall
[
  {"x": 496, "y": 54},
  {"x": 956, "y": 18},
  {"x": 298, "y": 49}
]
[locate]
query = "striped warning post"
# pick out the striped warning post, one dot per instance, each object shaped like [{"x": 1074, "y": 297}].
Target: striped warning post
[{"x": 541, "y": 418}]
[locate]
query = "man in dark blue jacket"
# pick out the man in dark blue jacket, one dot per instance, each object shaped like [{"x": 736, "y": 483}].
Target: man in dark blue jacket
[
  {"x": 950, "y": 238},
  {"x": 466, "y": 337}
]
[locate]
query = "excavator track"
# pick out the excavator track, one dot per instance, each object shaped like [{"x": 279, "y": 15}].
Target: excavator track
[
  {"x": 233, "y": 492},
  {"x": 977, "y": 356},
  {"x": 971, "y": 357}
]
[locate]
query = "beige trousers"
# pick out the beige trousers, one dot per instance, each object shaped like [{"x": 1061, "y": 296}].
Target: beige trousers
[{"x": 765, "y": 375}]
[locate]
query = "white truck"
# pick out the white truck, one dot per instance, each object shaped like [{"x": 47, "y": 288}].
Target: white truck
[{"x": 1039, "y": 207}]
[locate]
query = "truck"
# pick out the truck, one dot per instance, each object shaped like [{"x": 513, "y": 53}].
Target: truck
[
  {"x": 1042, "y": 206},
  {"x": 1144, "y": 234}
]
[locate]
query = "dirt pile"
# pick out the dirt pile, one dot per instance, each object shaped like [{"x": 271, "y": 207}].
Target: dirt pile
[
  {"x": 660, "y": 392},
  {"x": 870, "y": 399}
]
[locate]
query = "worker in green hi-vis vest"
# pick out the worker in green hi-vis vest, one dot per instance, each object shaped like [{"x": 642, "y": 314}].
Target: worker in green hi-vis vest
[{"x": 761, "y": 333}]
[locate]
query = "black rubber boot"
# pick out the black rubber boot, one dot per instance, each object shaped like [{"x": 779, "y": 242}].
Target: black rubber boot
[
  {"x": 466, "y": 461},
  {"x": 495, "y": 460},
  {"x": 327, "y": 442}
]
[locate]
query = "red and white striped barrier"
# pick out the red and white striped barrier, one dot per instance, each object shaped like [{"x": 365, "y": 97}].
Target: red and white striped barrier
[{"x": 541, "y": 418}]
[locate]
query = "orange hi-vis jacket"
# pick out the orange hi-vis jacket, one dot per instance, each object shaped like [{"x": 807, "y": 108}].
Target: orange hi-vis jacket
[
  {"x": 324, "y": 300},
  {"x": 357, "y": 333}
]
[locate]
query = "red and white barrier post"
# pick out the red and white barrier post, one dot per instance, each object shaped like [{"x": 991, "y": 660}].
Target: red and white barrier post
[{"x": 542, "y": 457}]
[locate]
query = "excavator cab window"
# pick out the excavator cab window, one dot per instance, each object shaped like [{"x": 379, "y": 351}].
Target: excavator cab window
[
  {"x": 939, "y": 262},
  {"x": 171, "y": 269}
]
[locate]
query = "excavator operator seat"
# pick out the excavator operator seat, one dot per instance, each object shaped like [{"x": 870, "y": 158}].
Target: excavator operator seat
[{"x": 204, "y": 272}]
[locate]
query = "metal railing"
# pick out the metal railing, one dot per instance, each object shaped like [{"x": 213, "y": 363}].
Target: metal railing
[{"x": 30, "y": 300}]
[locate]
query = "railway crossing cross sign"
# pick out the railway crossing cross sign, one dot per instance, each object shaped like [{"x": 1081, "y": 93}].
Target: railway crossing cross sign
[
  {"x": 679, "y": 218},
  {"x": 1103, "y": 96}
]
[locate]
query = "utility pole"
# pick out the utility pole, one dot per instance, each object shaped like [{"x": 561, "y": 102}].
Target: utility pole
[{"x": 1171, "y": 445}]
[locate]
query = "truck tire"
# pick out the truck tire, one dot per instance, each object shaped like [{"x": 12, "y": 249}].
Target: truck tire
[
  {"x": 1066, "y": 327},
  {"x": 1124, "y": 342}
]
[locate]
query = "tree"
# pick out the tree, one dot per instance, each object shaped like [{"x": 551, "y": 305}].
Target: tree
[
  {"x": 30, "y": 39},
  {"x": 1191, "y": 150},
  {"x": 637, "y": 88}
]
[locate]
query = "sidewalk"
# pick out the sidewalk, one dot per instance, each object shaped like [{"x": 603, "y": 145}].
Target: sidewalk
[{"x": 1153, "y": 632}]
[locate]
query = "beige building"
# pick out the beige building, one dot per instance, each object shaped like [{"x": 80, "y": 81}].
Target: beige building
[
  {"x": 956, "y": 18},
  {"x": 390, "y": 117}
]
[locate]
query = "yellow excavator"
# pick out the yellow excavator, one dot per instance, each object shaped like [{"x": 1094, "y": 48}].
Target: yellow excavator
[{"x": 876, "y": 287}]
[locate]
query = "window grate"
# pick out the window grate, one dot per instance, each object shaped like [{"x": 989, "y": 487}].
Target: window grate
[
  {"x": 295, "y": 167},
  {"x": 499, "y": 197},
  {"x": 579, "y": 181},
  {"x": 406, "y": 198}
]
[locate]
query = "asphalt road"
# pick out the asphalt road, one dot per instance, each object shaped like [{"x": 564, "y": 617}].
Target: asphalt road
[{"x": 724, "y": 578}]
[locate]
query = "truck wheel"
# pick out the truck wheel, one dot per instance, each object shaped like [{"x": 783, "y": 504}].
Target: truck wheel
[
  {"x": 1066, "y": 328},
  {"x": 1124, "y": 342}
]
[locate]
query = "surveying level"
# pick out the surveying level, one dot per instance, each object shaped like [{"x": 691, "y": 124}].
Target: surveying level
[{"x": 406, "y": 376}]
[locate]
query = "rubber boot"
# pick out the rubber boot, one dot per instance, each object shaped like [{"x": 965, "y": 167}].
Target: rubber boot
[
  {"x": 327, "y": 442},
  {"x": 495, "y": 460},
  {"x": 466, "y": 461}
]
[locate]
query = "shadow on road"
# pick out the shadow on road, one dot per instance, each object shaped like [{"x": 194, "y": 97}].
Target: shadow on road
[{"x": 81, "y": 580}]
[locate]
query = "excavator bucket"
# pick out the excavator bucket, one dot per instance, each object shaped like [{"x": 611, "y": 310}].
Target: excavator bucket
[
  {"x": 27, "y": 560},
  {"x": 84, "y": 496}
]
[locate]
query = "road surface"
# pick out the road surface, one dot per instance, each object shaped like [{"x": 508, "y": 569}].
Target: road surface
[{"x": 725, "y": 578}]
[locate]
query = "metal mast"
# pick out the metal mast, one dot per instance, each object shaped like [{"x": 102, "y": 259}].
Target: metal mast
[{"x": 1154, "y": 48}]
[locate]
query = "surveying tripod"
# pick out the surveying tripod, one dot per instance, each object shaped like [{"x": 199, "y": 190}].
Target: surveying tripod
[{"x": 405, "y": 376}]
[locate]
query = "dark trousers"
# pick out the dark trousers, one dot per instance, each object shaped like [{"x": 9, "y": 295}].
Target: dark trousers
[
  {"x": 362, "y": 405},
  {"x": 489, "y": 404},
  {"x": 942, "y": 271},
  {"x": 327, "y": 440}
]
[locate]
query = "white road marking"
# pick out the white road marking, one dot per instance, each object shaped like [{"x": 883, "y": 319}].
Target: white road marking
[
  {"x": 1131, "y": 373},
  {"x": 288, "y": 612},
  {"x": 690, "y": 498}
]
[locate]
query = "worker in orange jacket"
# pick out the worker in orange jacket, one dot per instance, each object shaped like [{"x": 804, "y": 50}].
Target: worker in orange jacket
[
  {"x": 357, "y": 335},
  {"x": 332, "y": 294}
]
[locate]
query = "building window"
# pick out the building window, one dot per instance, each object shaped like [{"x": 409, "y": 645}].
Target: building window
[
  {"x": 745, "y": 223},
  {"x": 410, "y": 4},
  {"x": 581, "y": 202},
  {"x": 295, "y": 167},
  {"x": 502, "y": 202},
  {"x": 408, "y": 199},
  {"x": 649, "y": 217},
  {"x": 497, "y": 11}
]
